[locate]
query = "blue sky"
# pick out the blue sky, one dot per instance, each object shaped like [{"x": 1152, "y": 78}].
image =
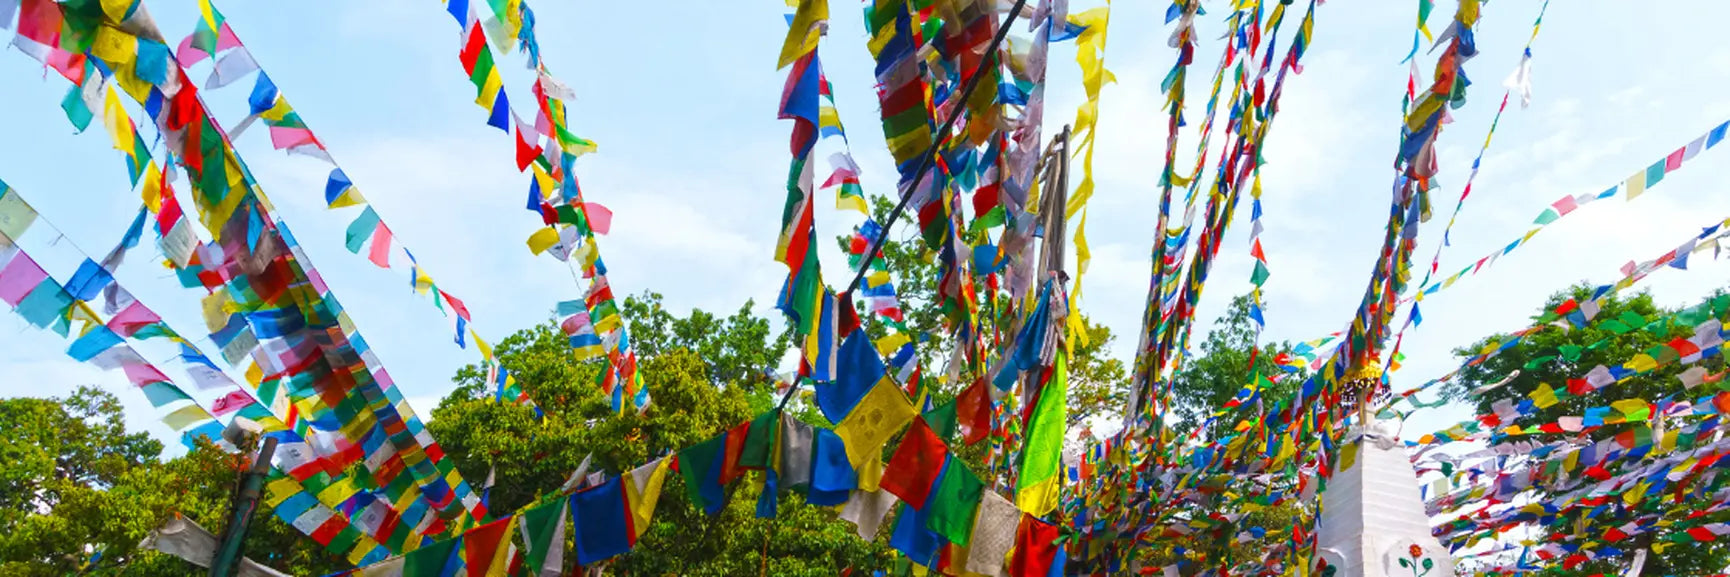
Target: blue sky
[{"x": 692, "y": 161}]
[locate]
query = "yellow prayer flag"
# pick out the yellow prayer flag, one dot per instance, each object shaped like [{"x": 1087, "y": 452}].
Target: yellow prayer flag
[
  {"x": 361, "y": 548},
  {"x": 489, "y": 92},
  {"x": 152, "y": 190},
  {"x": 878, "y": 415},
  {"x": 892, "y": 342},
  {"x": 119, "y": 123},
  {"x": 279, "y": 490},
  {"x": 1641, "y": 363},
  {"x": 1544, "y": 397},
  {"x": 852, "y": 203},
  {"x": 642, "y": 499},
  {"x": 486, "y": 349},
  {"x": 543, "y": 239},
  {"x": 805, "y": 30},
  {"x": 1635, "y": 185}
]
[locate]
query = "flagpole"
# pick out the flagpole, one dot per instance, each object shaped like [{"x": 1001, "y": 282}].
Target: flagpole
[{"x": 240, "y": 512}]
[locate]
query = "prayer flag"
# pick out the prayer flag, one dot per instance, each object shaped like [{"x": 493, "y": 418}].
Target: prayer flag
[
  {"x": 700, "y": 465},
  {"x": 859, "y": 370},
  {"x": 1036, "y": 490},
  {"x": 832, "y": 474},
  {"x": 602, "y": 521},
  {"x": 912, "y": 472},
  {"x": 955, "y": 502}
]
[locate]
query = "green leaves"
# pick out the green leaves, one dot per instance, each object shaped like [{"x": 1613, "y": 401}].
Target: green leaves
[
  {"x": 72, "y": 479},
  {"x": 705, "y": 373}
]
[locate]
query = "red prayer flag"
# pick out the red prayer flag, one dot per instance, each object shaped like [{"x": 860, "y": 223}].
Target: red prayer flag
[
  {"x": 734, "y": 445},
  {"x": 913, "y": 470},
  {"x": 1034, "y": 548},
  {"x": 328, "y": 531},
  {"x": 40, "y": 20},
  {"x": 457, "y": 305},
  {"x": 527, "y": 151},
  {"x": 471, "y": 52},
  {"x": 482, "y": 545},
  {"x": 973, "y": 412}
]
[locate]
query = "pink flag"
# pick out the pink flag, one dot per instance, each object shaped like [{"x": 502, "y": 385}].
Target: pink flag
[
  {"x": 19, "y": 277},
  {"x": 600, "y": 218},
  {"x": 225, "y": 39},
  {"x": 380, "y": 253},
  {"x": 141, "y": 374},
  {"x": 231, "y": 402},
  {"x": 132, "y": 318},
  {"x": 1674, "y": 161},
  {"x": 1565, "y": 205},
  {"x": 283, "y": 137},
  {"x": 187, "y": 55}
]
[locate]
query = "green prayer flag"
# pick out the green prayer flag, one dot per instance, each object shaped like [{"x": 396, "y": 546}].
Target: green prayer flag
[
  {"x": 483, "y": 67},
  {"x": 1655, "y": 173},
  {"x": 760, "y": 440},
  {"x": 361, "y": 229},
  {"x": 954, "y": 504},
  {"x": 1538, "y": 362},
  {"x": 541, "y": 525},
  {"x": 76, "y": 110},
  {"x": 1036, "y": 490},
  {"x": 1260, "y": 275},
  {"x": 430, "y": 559},
  {"x": 941, "y": 419},
  {"x": 694, "y": 464},
  {"x": 343, "y": 541},
  {"x": 1550, "y": 215}
]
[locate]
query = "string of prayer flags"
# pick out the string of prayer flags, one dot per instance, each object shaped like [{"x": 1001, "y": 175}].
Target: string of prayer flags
[
  {"x": 554, "y": 194},
  {"x": 232, "y": 208},
  {"x": 1630, "y": 188},
  {"x": 1524, "y": 71},
  {"x": 288, "y": 132},
  {"x": 179, "y": 244}
]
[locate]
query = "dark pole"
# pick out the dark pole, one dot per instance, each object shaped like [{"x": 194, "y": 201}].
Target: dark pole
[
  {"x": 240, "y": 513},
  {"x": 930, "y": 156}
]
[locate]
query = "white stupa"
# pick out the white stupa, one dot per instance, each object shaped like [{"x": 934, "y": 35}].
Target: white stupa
[{"x": 1373, "y": 522}]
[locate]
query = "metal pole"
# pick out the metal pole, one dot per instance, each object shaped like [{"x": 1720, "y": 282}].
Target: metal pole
[
  {"x": 240, "y": 513},
  {"x": 930, "y": 157}
]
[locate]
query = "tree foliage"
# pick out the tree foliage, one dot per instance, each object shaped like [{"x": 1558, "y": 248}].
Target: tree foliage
[
  {"x": 1554, "y": 356},
  {"x": 705, "y": 375},
  {"x": 1204, "y": 383},
  {"x": 74, "y": 483}
]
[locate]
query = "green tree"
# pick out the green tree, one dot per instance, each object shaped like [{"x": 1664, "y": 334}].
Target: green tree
[
  {"x": 737, "y": 349},
  {"x": 73, "y": 482},
  {"x": 694, "y": 400},
  {"x": 1554, "y": 356},
  {"x": 1205, "y": 383}
]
